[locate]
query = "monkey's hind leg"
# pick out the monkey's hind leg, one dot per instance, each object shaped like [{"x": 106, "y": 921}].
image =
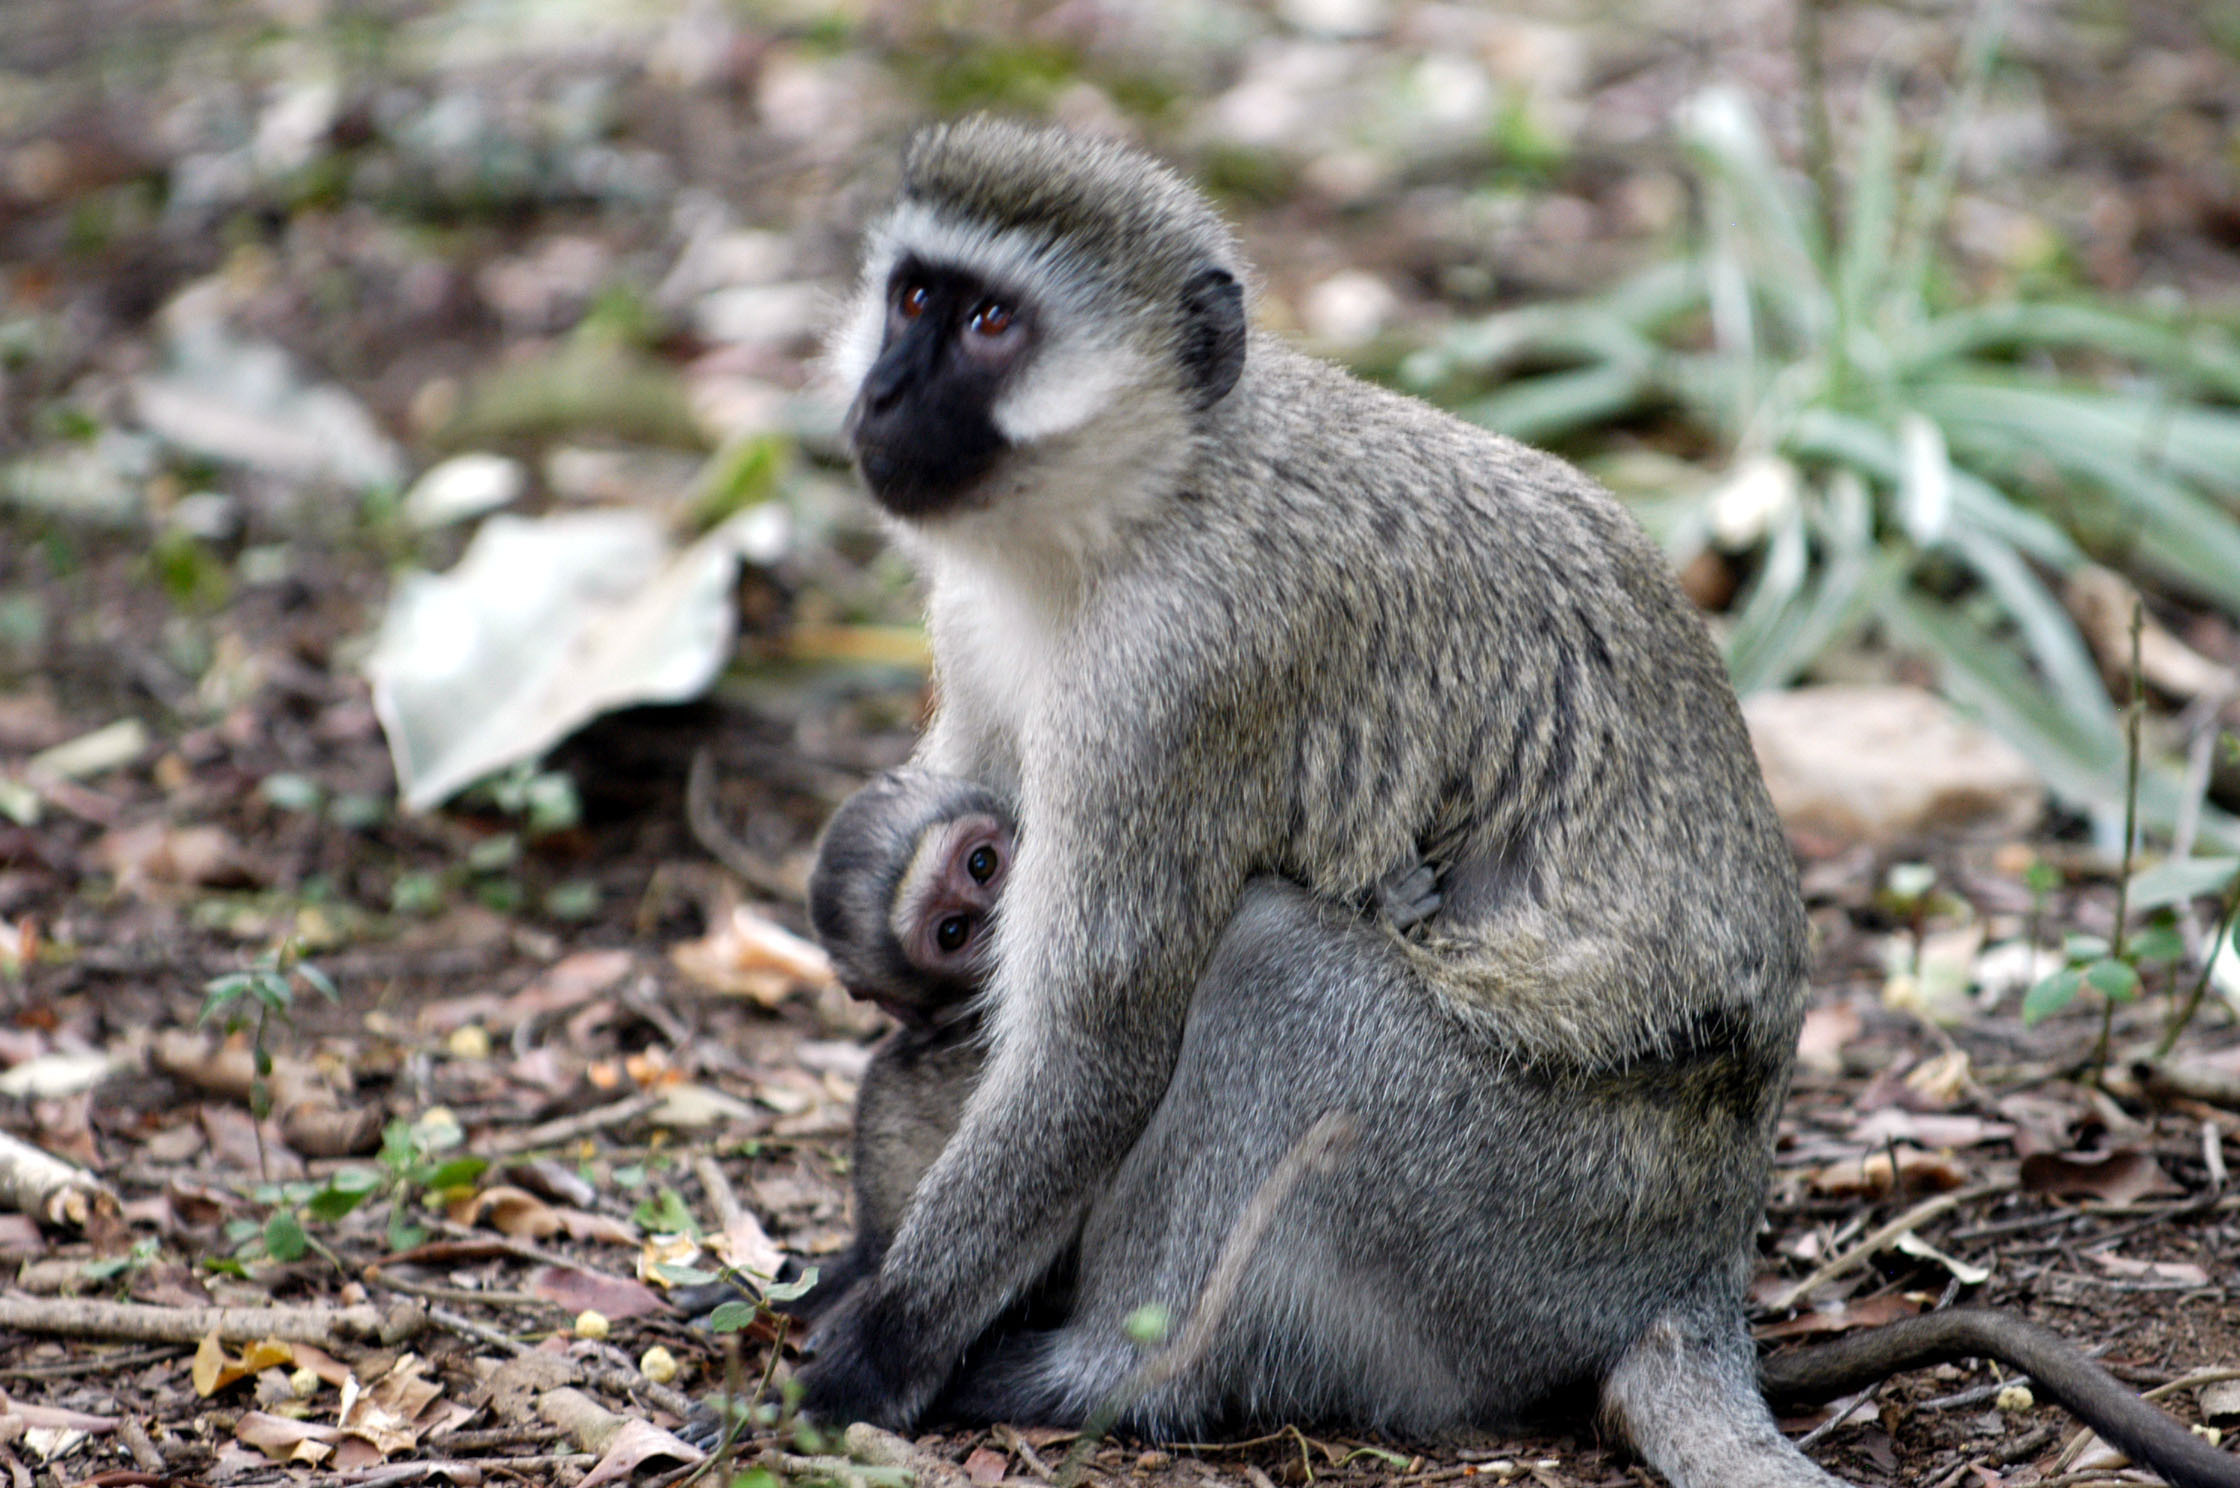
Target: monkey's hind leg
[
  {"x": 1241, "y": 1226},
  {"x": 1686, "y": 1396}
]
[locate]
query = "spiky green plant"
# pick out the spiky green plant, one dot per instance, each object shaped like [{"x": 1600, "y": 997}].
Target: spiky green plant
[{"x": 1934, "y": 469}]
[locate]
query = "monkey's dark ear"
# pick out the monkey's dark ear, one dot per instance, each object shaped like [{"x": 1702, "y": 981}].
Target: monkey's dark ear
[{"x": 1212, "y": 335}]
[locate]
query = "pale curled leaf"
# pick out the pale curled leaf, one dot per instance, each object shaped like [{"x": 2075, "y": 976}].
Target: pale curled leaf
[
  {"x": 1967, "y": 1275},
  {"x": 542, "y": 626}
]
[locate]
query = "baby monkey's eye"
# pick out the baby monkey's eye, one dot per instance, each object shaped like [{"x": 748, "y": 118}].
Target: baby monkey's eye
[
  {"x": 912, "y": 300},
  {"x": 982, "y": 864},
  {"x": 950, "y": 934},
  {"x": 992, "y": 319}
]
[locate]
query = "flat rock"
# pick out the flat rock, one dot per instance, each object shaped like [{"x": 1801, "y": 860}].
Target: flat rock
[{"x": 1885, "y": 765}]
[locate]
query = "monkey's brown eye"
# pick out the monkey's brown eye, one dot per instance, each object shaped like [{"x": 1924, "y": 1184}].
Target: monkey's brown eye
[
  {"x": 992, "y": 319},
  {"x": 950, "y": 934},
  {"x": 982, "y": 864},
  {"x": 912, "y": 301}
]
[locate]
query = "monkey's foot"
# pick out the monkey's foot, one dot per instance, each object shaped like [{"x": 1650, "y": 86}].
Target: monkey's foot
[
  {"x": 859, "y": 1369},
  {"x": 711, "y": 1421}
]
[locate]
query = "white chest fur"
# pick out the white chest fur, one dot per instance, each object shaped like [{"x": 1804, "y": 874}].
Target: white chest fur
[{"x": 999, "y": 638}]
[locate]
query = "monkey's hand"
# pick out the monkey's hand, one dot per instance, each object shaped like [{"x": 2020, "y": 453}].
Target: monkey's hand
[
  {"x": 859, "y": 1367},
  {"x": 1407, "y": 896}
]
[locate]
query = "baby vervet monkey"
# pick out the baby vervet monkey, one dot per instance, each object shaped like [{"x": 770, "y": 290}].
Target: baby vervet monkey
[
  {"x": 903, "y": 898},
  {"x": 903, "y": 894}
]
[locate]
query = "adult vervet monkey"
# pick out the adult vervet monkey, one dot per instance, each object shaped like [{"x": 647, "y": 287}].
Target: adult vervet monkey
[
  {"x": 908, "y": 878},
  {"x": 1229, "y": 633}
]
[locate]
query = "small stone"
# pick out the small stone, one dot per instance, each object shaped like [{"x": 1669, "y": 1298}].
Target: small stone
[{"x": 1887, "y": 765}]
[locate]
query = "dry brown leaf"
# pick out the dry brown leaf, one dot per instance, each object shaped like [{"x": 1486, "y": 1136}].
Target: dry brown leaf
[
  {"x": 986, "y": 1466},
  {"x": 630, "y": 1448},
  {"x": 158, "y": 852},
  {"x": 601, "y": 1229},
  {"x": 691, "y": 1105},
  {"x": 2122, "y": 1176},
  {"x": 747, "y": 955},
  {"x": 321, "y": 1363},
  {"x": 453, "y": 1013},
  {"x": 284, "y": 1440},
  {"x": 1942, "y": 1080},
  {"x": 2043, "y": 1123},
  {"x": 1872, "y": 1174},
  {"x": 510, "y": 1211},
  {"x": 516, "y": 1385},
  {"x": 214, "y": 1368},
  {"x": 232, "y": 1135},
  {"x": 659, "y": 1253},
  {"x": 790, "y": 1092},
  {"x": 578, "y": 1290},
  {"x": 405, "y": 1391},
  {"x": 372, "y": 1424}
]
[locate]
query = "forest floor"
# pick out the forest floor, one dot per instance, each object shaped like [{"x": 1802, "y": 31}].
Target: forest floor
[{"x": 423, "y": 205}]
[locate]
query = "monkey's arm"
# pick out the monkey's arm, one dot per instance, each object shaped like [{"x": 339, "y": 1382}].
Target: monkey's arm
[
  {"x": 1109, "y": 917},
  {"x": 2094, "y": 1396}
]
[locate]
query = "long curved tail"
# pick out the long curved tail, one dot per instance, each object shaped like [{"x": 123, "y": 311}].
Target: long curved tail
[{"x": 2061, "y": 1373}]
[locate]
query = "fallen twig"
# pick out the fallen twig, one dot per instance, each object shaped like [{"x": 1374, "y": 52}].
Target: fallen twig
[
  {"x": 328, "y": 1327},
  {"x": 1881, "y": 1239},
  {"x": 568, "y": 1128},
  {"x": 36, "y": 1182}
]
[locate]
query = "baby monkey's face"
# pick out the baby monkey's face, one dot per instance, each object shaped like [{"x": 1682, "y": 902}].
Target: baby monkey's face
[{"x": 942, "y": 913}]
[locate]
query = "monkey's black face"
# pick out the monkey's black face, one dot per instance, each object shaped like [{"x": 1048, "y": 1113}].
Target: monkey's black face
[{"x": 922, "y": 426}]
